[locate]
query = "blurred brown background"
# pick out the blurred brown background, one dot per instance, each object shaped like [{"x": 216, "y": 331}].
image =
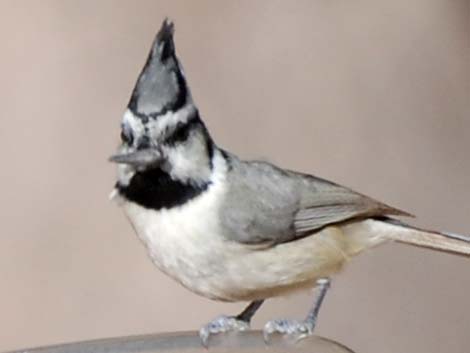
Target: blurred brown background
[{"x": 372, "y": 94}]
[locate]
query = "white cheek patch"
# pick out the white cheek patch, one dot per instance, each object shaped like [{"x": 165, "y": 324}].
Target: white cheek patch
[{"x": 189, "y": 160}]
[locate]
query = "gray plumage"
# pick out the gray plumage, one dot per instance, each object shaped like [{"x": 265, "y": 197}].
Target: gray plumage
[
  {"x": 160, "y": 86},
  {"x": 273, "y": 205}
]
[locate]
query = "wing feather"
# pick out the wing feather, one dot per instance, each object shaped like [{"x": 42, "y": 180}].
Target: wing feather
[{"x": 266, "y": 204}]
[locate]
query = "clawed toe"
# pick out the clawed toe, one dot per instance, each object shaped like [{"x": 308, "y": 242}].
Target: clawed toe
[
  {"x": 221, "y": 324},
  {"x": 293, "y": 328}
]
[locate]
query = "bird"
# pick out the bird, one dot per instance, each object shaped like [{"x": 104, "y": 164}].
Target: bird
[{"x": 235, "y": 230}]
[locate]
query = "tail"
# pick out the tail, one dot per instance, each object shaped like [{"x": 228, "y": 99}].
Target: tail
[{"x": 446, "y": 242}]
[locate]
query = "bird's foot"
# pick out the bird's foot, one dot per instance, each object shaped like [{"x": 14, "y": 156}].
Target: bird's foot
[
  {"x": 222, "y": 324},
  {"x": 296, "y": 330}
]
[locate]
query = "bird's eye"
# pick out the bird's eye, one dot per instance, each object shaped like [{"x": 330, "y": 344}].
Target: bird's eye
[
  {"x": 180, "y": 133},
  {"x": 126, "y": 136}
]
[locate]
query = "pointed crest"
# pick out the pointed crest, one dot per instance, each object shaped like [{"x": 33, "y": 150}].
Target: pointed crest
[{"x": 161, "y": 86}]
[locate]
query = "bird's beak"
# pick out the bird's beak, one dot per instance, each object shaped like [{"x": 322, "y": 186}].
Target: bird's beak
[{"x": 139, "y": 159}]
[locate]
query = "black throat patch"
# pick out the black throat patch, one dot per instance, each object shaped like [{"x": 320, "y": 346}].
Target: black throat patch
[{"x": 155, "y": 189}]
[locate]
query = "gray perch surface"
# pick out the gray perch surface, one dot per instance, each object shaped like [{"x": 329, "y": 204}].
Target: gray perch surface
[{"x": 189, "y": 342}]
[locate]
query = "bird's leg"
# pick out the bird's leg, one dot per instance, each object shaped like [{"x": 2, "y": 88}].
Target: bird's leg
[
  {"x": 247, "y": 314},
  {"x": 322, "y": 285},
  {"x": 225, "y": 323},
  {"x": 299, "y": 329}
]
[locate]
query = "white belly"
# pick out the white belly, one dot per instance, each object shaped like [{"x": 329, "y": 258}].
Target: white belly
[{"x": 186, "y": 243}]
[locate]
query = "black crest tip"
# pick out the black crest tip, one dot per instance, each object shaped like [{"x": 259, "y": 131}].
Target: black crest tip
[
  {"x": 163, "y": 46},
  {"x": 166, "y": 31}
]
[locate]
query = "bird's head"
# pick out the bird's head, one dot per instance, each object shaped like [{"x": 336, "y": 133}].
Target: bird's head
[{"x": 162, "y": 134}]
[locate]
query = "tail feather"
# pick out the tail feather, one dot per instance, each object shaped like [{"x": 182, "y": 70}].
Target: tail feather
[{"x": 447, "y": 242}]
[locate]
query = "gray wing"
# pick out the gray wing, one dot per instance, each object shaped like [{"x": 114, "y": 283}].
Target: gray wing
[{"x": 266, "y": 204}]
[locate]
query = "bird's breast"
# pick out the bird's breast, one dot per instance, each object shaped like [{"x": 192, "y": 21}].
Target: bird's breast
[{"x": 185, "y": 242}]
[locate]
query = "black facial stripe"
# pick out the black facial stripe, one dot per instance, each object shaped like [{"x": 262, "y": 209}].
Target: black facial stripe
[
  {"x": 180, "y": 100},
  {"x": 210, "y": 145},
  {"x": 227, "y": 158},
  {"x": 182, "y": 130},
  {"x": 155, "y": 189},
  {"x": 181, "y": 133}
]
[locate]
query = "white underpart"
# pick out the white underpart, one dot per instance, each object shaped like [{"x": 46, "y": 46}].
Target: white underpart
[{"x": 187, "y": 243}]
